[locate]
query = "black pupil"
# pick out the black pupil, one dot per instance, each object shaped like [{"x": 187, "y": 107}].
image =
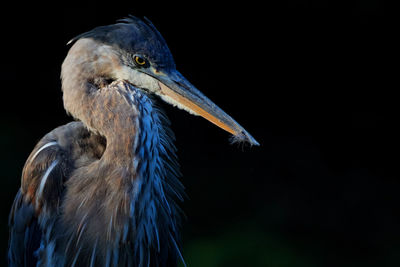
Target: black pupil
[{"x": 140, "y": 60}]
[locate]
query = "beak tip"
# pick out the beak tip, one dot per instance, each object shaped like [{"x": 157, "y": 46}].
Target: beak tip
[
  {"x": 245, "y": 137},
  {"x": 252, "y": 141},
  {"x": 255, "y": 143}
]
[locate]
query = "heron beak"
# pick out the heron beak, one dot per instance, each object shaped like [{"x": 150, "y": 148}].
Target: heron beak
[{"x": 178, "y": 91}]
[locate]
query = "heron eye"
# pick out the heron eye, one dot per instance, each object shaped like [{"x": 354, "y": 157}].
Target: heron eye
[{"x": 140, "y": 61}]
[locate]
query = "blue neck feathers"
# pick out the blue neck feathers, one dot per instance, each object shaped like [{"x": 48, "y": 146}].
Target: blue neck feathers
[{"x": 154, "y": 213}]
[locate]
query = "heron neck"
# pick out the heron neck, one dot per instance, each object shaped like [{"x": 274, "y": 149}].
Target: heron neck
[
  {"x": 140, "y": 173},
  {"x": 106, "y": 112},
  {"x": 104, "y": 109}
]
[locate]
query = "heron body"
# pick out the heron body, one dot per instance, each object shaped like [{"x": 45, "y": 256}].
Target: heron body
[{"x": 103, "y": 191}]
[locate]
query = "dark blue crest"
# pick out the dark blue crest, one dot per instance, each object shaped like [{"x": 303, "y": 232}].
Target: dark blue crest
[{"x": 134, "y": 36}]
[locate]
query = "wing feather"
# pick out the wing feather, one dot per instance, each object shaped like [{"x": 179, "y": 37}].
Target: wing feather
[{"x": 36, "y": 202}]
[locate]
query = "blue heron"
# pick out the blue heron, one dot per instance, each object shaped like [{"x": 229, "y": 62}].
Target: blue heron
[{"x": 103, "y": 190}]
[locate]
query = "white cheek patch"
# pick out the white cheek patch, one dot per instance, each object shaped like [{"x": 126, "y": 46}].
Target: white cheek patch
[{"x": 136, "y": 78}]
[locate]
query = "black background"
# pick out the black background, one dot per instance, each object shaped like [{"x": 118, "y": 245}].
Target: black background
[{"x": 312, "y": 81}]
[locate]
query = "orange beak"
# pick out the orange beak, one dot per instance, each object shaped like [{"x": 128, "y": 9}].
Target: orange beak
[{"x": 176, "y": 90}]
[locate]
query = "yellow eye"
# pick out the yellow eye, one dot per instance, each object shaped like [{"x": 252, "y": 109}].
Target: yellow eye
[{"x": 140, "y": 61}]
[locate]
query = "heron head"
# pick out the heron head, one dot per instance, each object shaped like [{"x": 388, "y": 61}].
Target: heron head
[{"x": 141, "y": 57}]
